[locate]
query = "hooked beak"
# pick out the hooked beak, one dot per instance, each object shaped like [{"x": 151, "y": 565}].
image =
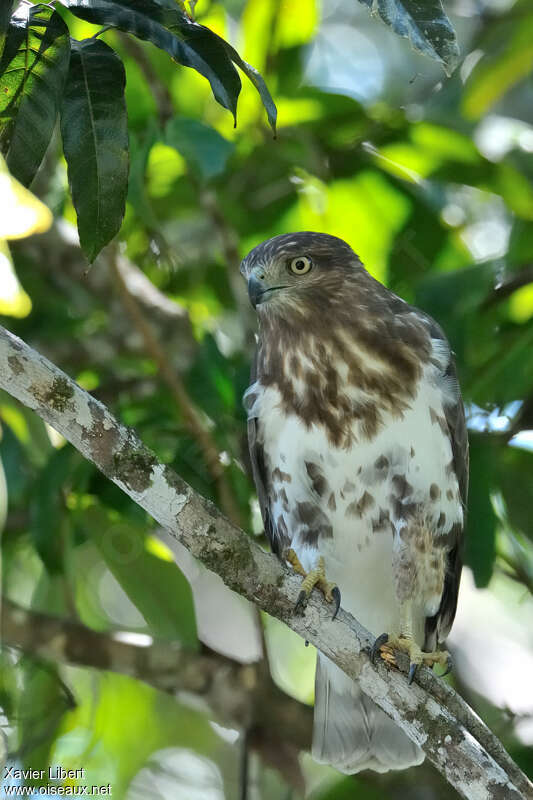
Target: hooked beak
[{"x": 259, "y": 291}]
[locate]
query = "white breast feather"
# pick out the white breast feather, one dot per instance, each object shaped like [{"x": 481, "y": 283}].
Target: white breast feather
[{"x": 358, "y": 559}]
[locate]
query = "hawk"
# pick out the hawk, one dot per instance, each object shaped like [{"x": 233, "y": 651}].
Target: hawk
[{"x": 359, "y": 452}]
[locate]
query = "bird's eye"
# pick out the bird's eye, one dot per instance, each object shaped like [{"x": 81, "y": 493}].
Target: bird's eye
[{"x": 300, "y": 265}]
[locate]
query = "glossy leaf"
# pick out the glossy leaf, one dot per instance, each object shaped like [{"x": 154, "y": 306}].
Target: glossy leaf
[
  {"x": 33, "y": 69},
  {"x": 259, "y": 83},
  {"x": 424, "y": 23},
  {"x": 94, "y": 128},
  {"x": 169, "y": 28},
  {"x": 204, "y": 149}
]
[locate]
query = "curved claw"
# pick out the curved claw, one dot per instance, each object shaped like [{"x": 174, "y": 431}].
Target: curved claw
[
  {"x": 412, "y": 672},
  {"x": 301, "y": 603},
  {"x": 336, "y": 594},
  {"x": 383, "y": 639}
]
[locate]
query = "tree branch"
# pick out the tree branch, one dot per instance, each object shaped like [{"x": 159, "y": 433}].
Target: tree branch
[
  {"x": 454, "y": 739},
  {"x": 236, "y": 693}
]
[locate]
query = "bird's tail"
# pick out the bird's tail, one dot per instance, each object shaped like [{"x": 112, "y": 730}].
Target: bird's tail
[{"x": 351, "y": 732}]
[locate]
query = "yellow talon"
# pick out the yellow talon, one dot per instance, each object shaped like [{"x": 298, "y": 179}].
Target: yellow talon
[{"x": 316, "y": 577}]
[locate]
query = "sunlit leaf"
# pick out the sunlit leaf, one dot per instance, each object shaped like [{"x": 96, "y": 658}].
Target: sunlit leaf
[
  {"x": 424, "y": 23},
  {"x": 507, "y": 62},
  {"x": 21, "y": 213},
  {"x": 296, "y": 22},
  {"x": 521, "y": 304},
  {"x": 94, "y": 128},
  {"x": 14, "y": 302},
  {"x": 516, "y": 189},
  {"x": 33, "y": 69},
  {"x": 366, "y": 211},
  {"x": 102, "y": 737}
]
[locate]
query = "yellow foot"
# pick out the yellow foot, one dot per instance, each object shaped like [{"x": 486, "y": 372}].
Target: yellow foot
[
  {"x": 316, "y": 577},
  {"x": 386, "y": 645}
]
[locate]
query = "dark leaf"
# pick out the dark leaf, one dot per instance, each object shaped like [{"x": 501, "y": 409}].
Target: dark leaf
[
  {"x": 424, "y": 23},
  {"x": 508, "y": 374},
  {"x": 171, "y": 30},
  {"x": 259, "y": 83},
  {"x": 94, "y": 128},
  {"x": 47, "y": 507},
  {"x": 33, "y": 69},
  {"x": 515, "y": 478},
  {"x": 481, "y": 520},
  {"x": 5, "y": 14},
  {"x": 193, "y": 45}
]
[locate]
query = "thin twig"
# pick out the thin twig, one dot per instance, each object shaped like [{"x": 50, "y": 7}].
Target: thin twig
[{"x": 516, "y": 281}]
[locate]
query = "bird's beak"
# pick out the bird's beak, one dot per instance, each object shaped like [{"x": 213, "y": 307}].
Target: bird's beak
[
  {"x": 259, "y": 290},
  {"x": 256, "y": 287}
]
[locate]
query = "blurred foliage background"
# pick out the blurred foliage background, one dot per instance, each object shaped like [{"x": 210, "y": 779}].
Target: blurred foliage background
[{"x": 121, "y": 655}]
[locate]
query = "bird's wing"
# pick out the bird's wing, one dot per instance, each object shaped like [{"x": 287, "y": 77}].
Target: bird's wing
[
  {"x": 257, "y": 459},
  {"x": 438, "y": 627}
]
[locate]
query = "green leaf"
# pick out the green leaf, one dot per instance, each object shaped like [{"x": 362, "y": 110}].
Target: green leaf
[
  {"x": 193, "y": 45},
  {"x": 200, "y": 145},
  {"x": 42, "y": 705},
  {"x": 515, "y": 477},
  {"x": 154, "y": 585},
  {"x": 424, "y": 23},
  {"x": 507, "y": 60},
  {"x": 94, "y": 128},
  {"x": 259, "y": 83},
  {"x": 33, "y": 69},
  {"x": 47, "y": 507},
  {"x": 481, "y": 520},
  {"x": 171, "y": 30},
  {"x": 5, "y": 14},
  {"x": 508, "y": 374}
]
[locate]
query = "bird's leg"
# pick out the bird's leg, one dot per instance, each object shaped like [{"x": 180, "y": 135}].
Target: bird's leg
[
  {"x": 316, "y": 577},
  {"x": 386, "y": 645}
]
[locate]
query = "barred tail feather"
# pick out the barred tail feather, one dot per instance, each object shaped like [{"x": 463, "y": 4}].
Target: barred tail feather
[{"x": 351, "y": 732}]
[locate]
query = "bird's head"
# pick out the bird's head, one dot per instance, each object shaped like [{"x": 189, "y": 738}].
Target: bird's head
[{"x": 297, "y": 269}]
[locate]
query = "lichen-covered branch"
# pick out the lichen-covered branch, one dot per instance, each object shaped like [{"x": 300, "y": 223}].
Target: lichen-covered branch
[{"x": 454, "y": 739}]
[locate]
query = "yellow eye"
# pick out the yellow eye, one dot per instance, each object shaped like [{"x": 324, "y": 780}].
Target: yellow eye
[{"x": 300, "y": 265}]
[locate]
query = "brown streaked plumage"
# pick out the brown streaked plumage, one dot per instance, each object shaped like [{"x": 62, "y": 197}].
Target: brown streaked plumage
[{"x": 355, "y": 413}]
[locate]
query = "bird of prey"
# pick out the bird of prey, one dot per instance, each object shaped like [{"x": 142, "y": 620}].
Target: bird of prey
[{"x": 359, "y": 453}]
